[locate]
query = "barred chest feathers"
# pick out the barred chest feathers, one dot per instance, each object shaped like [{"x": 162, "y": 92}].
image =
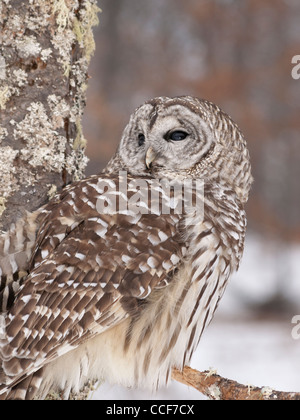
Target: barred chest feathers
[{"x": 168, "y": 328}]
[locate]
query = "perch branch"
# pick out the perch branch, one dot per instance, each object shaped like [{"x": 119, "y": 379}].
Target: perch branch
[{"x": 216, "y": 387}]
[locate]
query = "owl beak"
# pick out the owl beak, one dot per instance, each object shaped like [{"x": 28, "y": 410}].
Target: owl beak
[{"x": 150, "y": 157}]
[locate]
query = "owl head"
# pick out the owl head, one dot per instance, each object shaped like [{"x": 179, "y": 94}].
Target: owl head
[{"x": 185, "y": 137}]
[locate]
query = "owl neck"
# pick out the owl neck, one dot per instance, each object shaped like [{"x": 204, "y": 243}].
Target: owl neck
[{"x": 114, "y": 165}]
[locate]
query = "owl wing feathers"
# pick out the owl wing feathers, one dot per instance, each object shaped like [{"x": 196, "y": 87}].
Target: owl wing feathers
[
  {"x": 15, "y": 252},
  {"x": 90, "y": 272}
]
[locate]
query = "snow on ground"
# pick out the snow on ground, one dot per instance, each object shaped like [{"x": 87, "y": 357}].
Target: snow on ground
[
  {"x": 259, "y": 352},
  {"x": 255, "y": 353}
]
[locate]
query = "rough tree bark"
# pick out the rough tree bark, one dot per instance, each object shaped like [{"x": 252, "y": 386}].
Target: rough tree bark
[{"x": 46, "y": 46}]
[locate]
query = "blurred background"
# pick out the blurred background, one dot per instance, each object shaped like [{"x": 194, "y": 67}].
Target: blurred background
[{"x": 238, "y": 54}]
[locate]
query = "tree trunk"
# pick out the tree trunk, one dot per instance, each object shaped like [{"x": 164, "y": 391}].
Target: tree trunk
[{"x": 46, "y": 46}]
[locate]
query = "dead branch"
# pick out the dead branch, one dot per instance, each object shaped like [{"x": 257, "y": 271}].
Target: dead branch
[{"x": 216, "y": 387}]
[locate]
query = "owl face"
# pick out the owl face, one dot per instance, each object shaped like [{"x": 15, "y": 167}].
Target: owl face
[
  {"x": 166, "y": 137},
  {"x": 185, "y": 137}
]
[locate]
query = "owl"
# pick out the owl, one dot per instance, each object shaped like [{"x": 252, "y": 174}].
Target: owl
[{"x": 117, "y": 277}]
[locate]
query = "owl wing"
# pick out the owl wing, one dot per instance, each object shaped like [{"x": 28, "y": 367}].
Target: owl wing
[
  {"x": 89, "y": 272},
  {"x": 15, "y": 252}
]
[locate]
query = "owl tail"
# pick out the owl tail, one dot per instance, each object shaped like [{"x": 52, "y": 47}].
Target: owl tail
[{"x": 25, "y": 389}]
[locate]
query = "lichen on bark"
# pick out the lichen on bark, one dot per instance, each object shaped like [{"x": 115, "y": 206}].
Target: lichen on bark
[{"x": 46, "y": 46}]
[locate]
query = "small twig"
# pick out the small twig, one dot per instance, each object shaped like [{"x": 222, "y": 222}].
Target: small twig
[{"x": 217, "y": 388}]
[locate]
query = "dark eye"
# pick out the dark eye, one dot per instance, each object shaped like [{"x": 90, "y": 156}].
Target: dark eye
[
  {"x": 141, "y": 139},
  {"x": 178, "y": 135}
]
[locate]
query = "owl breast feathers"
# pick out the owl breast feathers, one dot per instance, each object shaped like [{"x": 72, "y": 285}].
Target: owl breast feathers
[{"x": 117, "y": 277}]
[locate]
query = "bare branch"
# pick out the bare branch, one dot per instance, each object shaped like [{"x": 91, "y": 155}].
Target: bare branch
[{"x": 217, "y": 388}]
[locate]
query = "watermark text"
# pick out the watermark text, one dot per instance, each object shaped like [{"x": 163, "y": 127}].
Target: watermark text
[
  {"x": 296, "y": 328},
  {"x": 128, "y": 196},
  {"x": 296, "y": 68}
]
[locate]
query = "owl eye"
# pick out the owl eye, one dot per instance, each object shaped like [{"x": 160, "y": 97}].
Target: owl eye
[
  {"x": 177, "y": 135},
  {"x": 141, "y": 138}
]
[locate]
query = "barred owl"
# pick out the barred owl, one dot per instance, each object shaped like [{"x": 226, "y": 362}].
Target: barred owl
[{"x": 91, "y": 292}]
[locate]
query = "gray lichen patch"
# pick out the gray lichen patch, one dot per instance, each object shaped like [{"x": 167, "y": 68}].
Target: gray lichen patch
[
  {"x": 4, "y": 96},
  {"x": 45, "y": 147},
  {"x": 19, "y": 77},
  {"x": 28, "y": 46},
  {"x": 14, "y": 80},
  {"x": 2, "y": 68},
  {"x": 60, "y": 110},
  {"x": 63, "y": 42},
  {"x": 8, "y": 181},
  {"x": 3, "y": 133}
]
